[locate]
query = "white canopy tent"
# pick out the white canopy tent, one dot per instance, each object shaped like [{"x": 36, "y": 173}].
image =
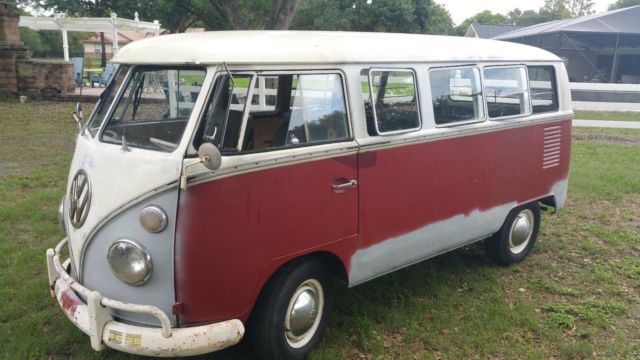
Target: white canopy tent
[{"x": 111, "y": 24}]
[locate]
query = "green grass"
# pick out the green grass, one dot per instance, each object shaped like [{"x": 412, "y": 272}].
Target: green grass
[
  {"x": 607, "y": 115},
  {"x": 576, "y": 296}
]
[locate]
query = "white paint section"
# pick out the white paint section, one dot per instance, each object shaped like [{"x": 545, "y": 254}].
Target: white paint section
[
  {"x": 116, "y": 177},
  {"x": 435, "y": 239},
  {"x": 426, "y": 242}
]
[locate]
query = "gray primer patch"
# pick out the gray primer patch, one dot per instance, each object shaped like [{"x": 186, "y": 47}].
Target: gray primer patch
[
  {"x": 159, "y": 289},
  {"x": 426, "y": 242},
  {"x": 559, "y": 190}
]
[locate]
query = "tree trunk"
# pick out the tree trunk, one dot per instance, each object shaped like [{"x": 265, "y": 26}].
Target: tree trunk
[
  {"x": 234, "y": 15},
  {"x": 282, "y": 12},
  {"x": 103, "y": 52}
]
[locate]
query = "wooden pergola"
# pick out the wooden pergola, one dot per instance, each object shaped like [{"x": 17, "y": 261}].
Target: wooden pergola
[{"x": 111, "y": 25}]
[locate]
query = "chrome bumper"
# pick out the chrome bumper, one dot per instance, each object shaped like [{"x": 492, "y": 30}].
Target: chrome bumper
[{"x": 94, "y": 319}]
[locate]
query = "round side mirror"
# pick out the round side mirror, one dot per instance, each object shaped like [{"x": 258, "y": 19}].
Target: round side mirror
[{"x": 210, "y": 156}]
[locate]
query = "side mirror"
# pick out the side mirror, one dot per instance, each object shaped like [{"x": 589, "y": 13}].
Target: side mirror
[
  {"x": 210, "y": 156},
  {"x": 77, "y": 116},
  {"x": 79, "y": 110}
]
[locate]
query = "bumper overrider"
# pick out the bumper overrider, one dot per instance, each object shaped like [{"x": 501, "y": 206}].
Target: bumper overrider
[{"x": 94, "y": 318}]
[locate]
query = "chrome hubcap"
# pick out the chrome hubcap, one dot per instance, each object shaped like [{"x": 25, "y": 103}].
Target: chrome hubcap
[
  {"x": 521, "y": 231},
  {"x": 304, "y": 313}
]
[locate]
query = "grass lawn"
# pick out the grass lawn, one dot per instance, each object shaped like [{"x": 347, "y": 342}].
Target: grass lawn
[
  {"x": 576, "y": 296},
  {"x": 607, "y": 115}
]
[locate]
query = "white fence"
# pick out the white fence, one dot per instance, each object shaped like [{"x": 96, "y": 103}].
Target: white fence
[{"x": 605, "y": 97}]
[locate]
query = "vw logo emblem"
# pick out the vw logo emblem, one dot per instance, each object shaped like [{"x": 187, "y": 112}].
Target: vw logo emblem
[{"x": 79, "y": 199}]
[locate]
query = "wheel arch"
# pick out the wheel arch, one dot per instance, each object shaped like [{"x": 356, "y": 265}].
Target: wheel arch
[
  {"x": 334, "y": 264},
  {"x": 549, "y": 201}
]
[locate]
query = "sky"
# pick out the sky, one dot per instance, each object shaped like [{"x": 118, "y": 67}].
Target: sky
[{"x": 463, "y": 9}]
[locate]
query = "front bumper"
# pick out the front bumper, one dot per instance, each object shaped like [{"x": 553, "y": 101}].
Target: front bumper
[{"x": 94, "y": 318}]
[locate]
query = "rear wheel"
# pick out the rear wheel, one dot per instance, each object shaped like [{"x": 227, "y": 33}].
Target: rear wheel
[
  {"x": 291, "y": 314},
  {"x": 517, "y": 236}
]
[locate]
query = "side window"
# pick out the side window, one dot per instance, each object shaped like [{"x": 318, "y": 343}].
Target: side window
[
  {"x": 224, "y": 112},
  {"x": 265, "y": 94},
  {"x": 368, "y": 107},
  {"x": 507, "y": 91},
  {"x": 306, "y": 109},
  {"x": 456, "y": 95},
  {"x": 285, "y": 110},
  {"x": 395, "y": 100},
  {"x": 317, "y": 111},
  {"x": 544, "y": 91}
]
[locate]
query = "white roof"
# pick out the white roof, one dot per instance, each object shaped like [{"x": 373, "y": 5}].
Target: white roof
[{"x": 306, "y": 47}]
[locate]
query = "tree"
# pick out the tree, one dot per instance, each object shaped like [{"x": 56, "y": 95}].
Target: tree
[
  {"x": 550, "y": 11},
  {"x": 91, "y": 8},
  {"x": 439, "y": 21},
  {"x": 568, "y": 8},
  {"x": 323, "y": 15},
  {"x": 530, "y": 17},
  {"x": 580, "y": 7},
  {"x": 623, "y": 4},
  {"x": 485, "y": 17},
  {"x": 177, "y": 16},
  {"x": 407, "y": 16}
]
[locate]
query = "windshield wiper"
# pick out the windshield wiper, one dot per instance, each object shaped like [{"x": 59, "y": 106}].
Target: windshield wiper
[{"x": 137, "y": 95}]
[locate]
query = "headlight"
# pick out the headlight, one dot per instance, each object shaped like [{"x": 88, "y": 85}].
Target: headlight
[
  {"x": 61, "y": 215},
  {"x": 130, "y": 262},
  {"x": 153, "y": 219}
]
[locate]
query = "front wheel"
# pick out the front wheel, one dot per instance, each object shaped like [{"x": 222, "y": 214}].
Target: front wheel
[
  {"x": 517, "y": 235},
  {"x": 291, "y": 314}
]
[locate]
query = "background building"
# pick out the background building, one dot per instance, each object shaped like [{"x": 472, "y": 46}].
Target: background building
[
  {"x": 600, "y": 48},
  {"x": 488, "y": 31},
  {"x": 93, "y": 50}
]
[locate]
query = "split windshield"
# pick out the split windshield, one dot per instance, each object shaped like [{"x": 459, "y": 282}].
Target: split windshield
[
  {"x": 154, "y": 108},
  {"x": 106, "y": 99}
]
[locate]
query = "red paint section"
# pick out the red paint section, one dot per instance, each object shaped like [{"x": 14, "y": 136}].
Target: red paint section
[
  {"x": 70, "y": 302},
  {"x": 233, "y": 233},
  {"x": 403, "y": 189}
]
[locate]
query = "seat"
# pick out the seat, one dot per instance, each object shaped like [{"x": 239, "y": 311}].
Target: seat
[
  {"x": 104, "y": 77},
  {"x": 78, "y": 64}
]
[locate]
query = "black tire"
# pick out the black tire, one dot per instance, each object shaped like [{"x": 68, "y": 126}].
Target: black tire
[
  {"x": 506, "y": 250},
  {"x": 266, "y": 333}
]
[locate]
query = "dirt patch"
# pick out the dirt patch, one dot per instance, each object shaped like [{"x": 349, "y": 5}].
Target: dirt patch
[{"x": 607, "y": 139}]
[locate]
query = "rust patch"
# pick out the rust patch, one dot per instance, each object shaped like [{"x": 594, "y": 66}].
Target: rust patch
[{"x": 69, "y": 301}]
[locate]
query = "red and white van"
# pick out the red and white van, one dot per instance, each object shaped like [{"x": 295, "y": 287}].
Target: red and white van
[{"x": 224, "y": 179}]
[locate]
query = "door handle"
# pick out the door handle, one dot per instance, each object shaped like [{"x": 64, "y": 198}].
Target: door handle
[{"x": 349, "y": 184}]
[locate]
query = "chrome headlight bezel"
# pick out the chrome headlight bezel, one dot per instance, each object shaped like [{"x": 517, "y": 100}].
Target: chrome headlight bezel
[
  {"x": 125, "y": 269},
  {"x": 61, "y": 214}
]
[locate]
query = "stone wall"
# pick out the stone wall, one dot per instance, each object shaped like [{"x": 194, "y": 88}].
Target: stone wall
[
  {"x": 8, "y": 75},
  {"x": 19, "y": 74},
  {"x": 44, "y": 76},
  {"x": 11, "y": 48}
]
